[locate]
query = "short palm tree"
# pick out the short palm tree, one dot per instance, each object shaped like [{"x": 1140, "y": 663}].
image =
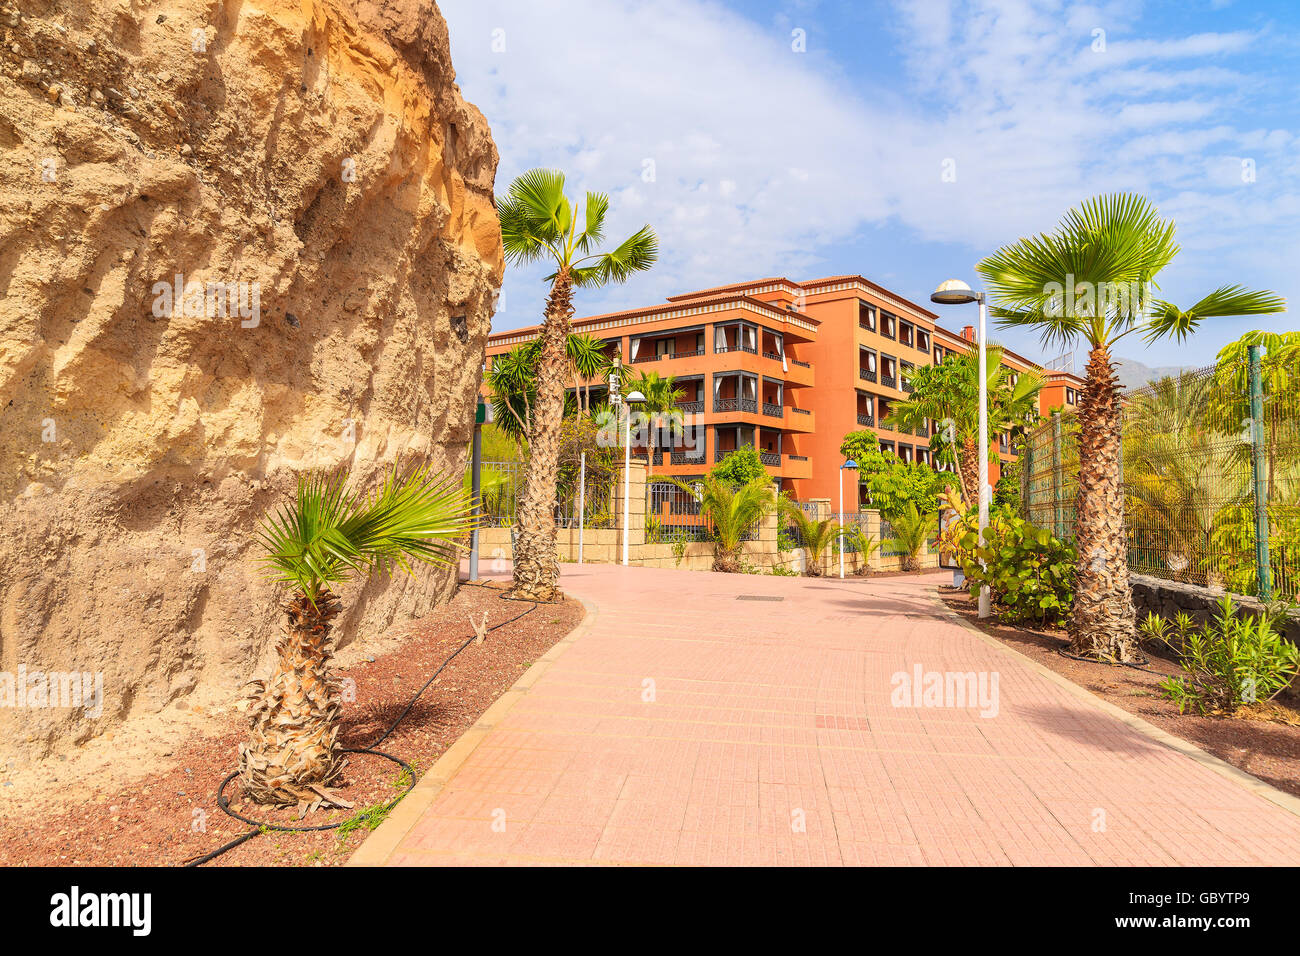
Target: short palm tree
[
  {"x": 949, "y": 394},
  {"x": 587, "y": 361},
  {"x": 1090, "y": 279},
  {"x": 910, "y": 528},
  {"x": 659, "y": 411},
  {"x": 512, "y": 382},
  {"x": 539, "y": 223},
  {"x": 323, "y": 538},
  {"x": 731, "y": 510},
  {"x": 815, "y": 536},
  {"x": 859, "y": 540}
]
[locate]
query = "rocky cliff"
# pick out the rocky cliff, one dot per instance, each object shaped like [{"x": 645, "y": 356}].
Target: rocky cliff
[{"x": 237, "y": 241}]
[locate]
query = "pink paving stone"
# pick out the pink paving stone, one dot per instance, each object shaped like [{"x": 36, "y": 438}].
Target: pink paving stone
[{"x": 772, "y": 739}]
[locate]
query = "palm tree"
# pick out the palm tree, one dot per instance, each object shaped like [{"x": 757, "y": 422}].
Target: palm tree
[
  {"x": 1176, "y": 477},
  {"x": 587, "y": 361},
  {"x": 1090, "y": 278},
  {"x": 324, "y": 538},
  {"x": 659, "y": 410},
  {"x": 732, "y": 510},
  {"x": 512, "y": 380},
  {"x": 911, "y": 527},
  {"x": 949, "y": 393},
  {"x": 539, "y": 223},
  {"x": 816, "y": 536},
  {"x": 856, "y": 538}
]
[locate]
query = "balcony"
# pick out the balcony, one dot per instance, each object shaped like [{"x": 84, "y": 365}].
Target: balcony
[
  {"x": 687, "y": 408},
  {"x": 693, "y": 353},
  {"x": 772, "y": 458},
  {"x": 866, "y": 420},
  {"x": 737, "y": 348},
  {"x": 906, "y": 386},
  {"x": 773, "y": 409},
  {"x": 735, "y": 405},
  {"x": 866, "y": 374},
  {"x": 687, "y": 456},
  {"x": 888, "y": 381}
]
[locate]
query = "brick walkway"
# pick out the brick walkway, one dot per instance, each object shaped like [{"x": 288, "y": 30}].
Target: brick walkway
[{"x": 687, "y": 726}]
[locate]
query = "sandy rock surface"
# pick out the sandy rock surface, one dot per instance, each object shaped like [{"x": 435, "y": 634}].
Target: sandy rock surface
[{"x": 307, "y": 176}]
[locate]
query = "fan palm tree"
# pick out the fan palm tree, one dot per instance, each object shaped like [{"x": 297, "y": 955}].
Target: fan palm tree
[
  {"x": 732, "y": 510},
  {"x": 587, "y": 361},
  {"x": 949, "y": 394},
  {"x": 659, "y": 411},
  {"x": 512, "y": 382},
  {"x": 816, "y": 536},
  {"x": 323, "y": 538},
  {"x": 539, "y": 223},
  {"x": 910, "y": 528},
  {"x": 1090, "y": 278}
]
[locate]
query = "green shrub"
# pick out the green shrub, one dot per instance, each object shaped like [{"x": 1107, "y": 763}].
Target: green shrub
[
  {"x": 1232, "y": 660},
  {"x": 740, "y": 466},
  {"x": 1028, "y": 570}
]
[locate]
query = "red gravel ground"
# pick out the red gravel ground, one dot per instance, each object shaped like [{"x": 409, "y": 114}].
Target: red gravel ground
[
  {"x": 1264, "y": 741},
  {"x": 172, "y": 816}
]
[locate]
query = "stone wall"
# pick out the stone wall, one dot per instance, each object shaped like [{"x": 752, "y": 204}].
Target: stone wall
[
  {"x": 1168, "y": 598},
  {"x": 605, "y": 545}
]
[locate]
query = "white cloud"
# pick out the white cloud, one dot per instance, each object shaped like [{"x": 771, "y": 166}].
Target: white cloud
[{"x": 764, "y": 159}]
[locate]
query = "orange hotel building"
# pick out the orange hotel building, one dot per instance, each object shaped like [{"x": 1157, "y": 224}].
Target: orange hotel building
[{"x": 790, "y": 368}]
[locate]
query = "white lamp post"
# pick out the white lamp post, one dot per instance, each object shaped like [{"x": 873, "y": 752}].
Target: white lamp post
[
  {"x": 633, "y": 398},
  {"x": 850, "y": 464},
  {"x": 956, "y": 292}
]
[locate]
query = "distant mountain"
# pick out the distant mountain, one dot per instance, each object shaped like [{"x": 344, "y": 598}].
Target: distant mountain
[{"x": 1134, "y": 374}]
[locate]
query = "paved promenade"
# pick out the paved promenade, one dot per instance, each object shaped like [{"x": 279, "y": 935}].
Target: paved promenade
[{"x": 712, "y": 719}]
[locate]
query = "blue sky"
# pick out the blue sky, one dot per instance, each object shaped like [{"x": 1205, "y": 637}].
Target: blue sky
[{"x": 900, "y": 141}]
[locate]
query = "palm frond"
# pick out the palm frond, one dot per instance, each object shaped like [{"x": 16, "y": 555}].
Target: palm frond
[
  {"x": 636, "y": 254},
  {"x": 327, "y": 535}
]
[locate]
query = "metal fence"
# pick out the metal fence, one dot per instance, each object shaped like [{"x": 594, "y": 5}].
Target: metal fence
[
  {"x": 673, "y": 514},
  {"x": 502, "y": 484},
  {"x": 1210, "y": 468}
]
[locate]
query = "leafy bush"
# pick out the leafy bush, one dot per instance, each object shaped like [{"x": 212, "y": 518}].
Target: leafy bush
[
  {"x": 1232, "y": 660},
  {"x": 740, "y": 467},
  {"x": 1028, "y": 570}
]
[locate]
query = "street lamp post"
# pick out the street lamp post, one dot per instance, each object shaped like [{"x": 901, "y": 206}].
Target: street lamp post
[
  {"x": 633, "y": 398},
  {"x": 956, "y": 292},
  {"x": 853, "y": 465}
]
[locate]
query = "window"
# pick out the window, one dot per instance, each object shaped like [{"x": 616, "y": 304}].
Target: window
[
  {"x": 699, "y": 342},
  {"x": 1071, "y": 396},
  {"x": 867, "y": 316},
  {"x": 663, "y": 347},
  {"x": 922, "y": 341}
]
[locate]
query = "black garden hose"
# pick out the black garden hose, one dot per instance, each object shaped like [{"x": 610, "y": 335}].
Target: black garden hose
[{"x": 259, "y": 827}]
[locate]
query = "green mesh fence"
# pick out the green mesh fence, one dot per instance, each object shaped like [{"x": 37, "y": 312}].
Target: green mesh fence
[{"x": 1204, "y": 479}]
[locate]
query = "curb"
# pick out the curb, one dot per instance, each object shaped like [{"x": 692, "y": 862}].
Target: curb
[
  {"x": 380, "y": 845},
  {"x": 1224, "y": 769}
]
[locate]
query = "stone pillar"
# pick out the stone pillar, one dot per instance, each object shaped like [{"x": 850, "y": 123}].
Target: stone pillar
[
  {"x": 823, "y": 506},
  {"x": 635, "y": 518},
  {"x": 873, "y": 529}
]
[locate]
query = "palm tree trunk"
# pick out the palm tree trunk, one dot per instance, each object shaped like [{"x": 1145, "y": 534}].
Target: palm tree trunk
[
  {"x": 536, "y": 569},
  {"x": 1103, "y": 624},
  {"x": 968, "y": 470},
  {"x": 292, "y": 749}
]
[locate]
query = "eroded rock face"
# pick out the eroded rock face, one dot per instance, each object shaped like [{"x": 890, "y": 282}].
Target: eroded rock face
[{"x": 310, "y": 166}]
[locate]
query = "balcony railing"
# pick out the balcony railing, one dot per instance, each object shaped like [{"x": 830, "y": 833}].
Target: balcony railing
[
  {"x": 774, "y": 356},
  {"x": 773, "y": 409},
  {"x": 721, "y": 453},
  {"x": 801, "y": 364},
  {"x": 907, "y": 386},
  {"x": 737, "y": 348},
  {"x": 688, "y": 407},
  {"x": 687, "y": 456},
  {"x": 735, "y": 405},
  {"x": 888, "y": 381},
  {"x": 800, "y": 411},
  {"x": 866, "y": 420},
  {"x": 770, "y": 457},
  {"x": 797, "y": 457},
  {"x": 668, "y": 355},
  {"x": 866, "y": 374},
  {"x": 866, "y": 325}
]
